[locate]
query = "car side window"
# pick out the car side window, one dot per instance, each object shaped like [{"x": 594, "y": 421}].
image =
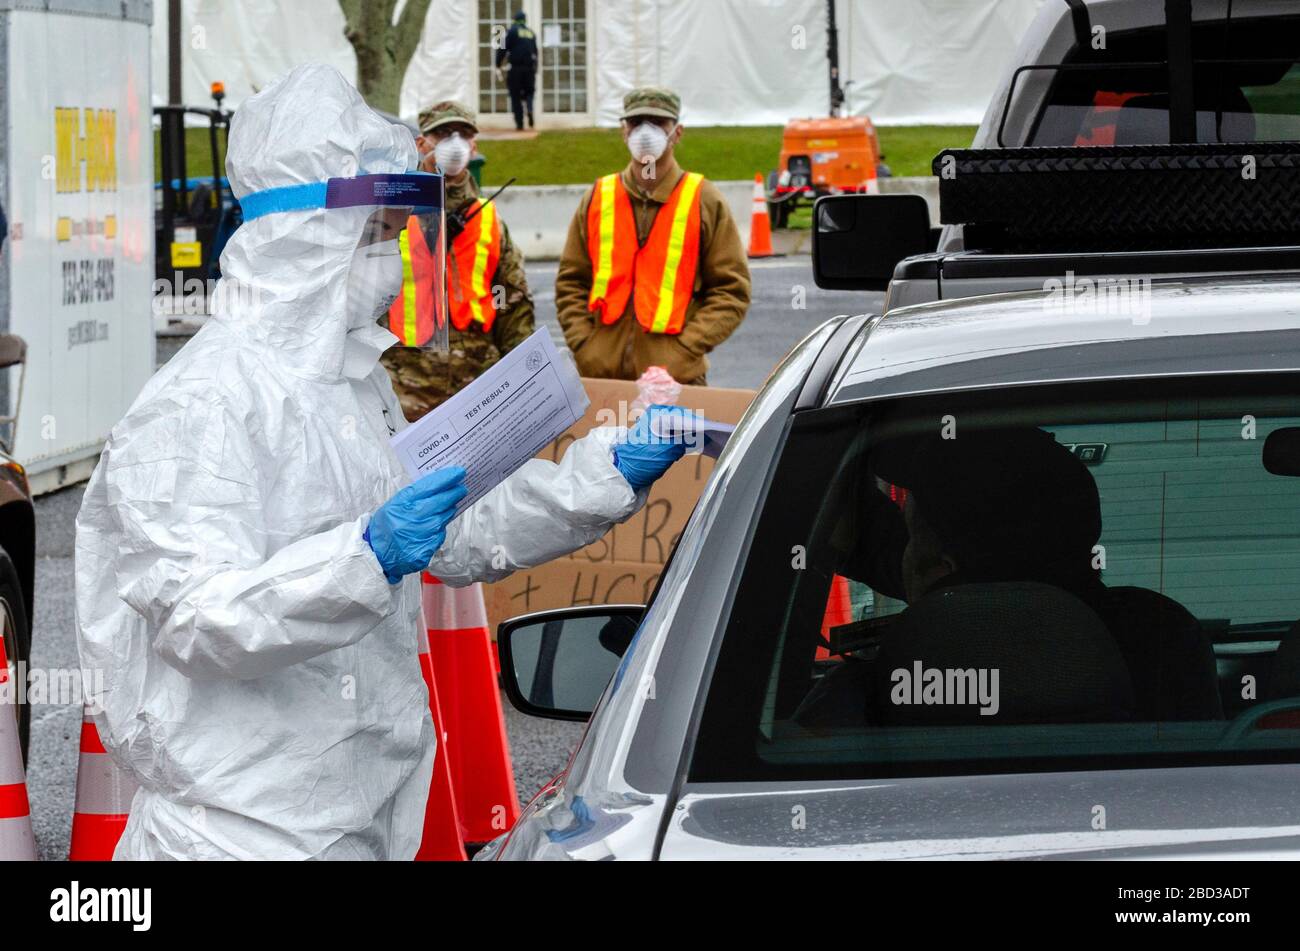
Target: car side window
[{"x": 1091, "y": 577}]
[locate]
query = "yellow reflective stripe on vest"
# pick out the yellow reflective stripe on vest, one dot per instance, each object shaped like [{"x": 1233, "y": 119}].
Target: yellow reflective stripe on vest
[
  {"x": 673, "y": 259},
  {"x": 605, "y": 266},
  {"x": 410, "y": 330},
  {"x": 482, "y": 248}
]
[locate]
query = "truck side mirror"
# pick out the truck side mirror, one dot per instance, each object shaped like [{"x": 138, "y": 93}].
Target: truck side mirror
[{"x": 858, "y": 240}]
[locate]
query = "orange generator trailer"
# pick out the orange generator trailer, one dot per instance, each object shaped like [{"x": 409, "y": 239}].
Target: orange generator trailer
[{"x": 824, "y": 156}]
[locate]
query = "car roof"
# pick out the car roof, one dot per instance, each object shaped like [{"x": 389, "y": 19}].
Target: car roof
[{"x": 1076, "y": 329}]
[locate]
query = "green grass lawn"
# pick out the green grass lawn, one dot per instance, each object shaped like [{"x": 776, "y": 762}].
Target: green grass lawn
[
  {"x": 909, "y": 150},
  {"x": 578, "y": 156},
  {"x": 719, "y": 152},
  {"x": 198, "y": 154}
]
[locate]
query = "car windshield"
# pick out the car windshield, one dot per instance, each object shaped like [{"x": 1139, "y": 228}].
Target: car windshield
[
  {"x": 1035, "y": 578},
  {"x": 1247, "y": 87}
]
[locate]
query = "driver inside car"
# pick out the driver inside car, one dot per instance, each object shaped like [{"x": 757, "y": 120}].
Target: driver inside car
[{"x": 1013, "y": 506}]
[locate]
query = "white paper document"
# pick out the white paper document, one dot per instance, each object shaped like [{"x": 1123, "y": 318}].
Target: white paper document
[
  {"x": 498, "y": 422},
  {"x": 700, "y": 433}
]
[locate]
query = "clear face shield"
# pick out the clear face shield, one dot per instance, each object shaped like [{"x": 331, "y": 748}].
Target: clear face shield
[{"x": 398, "y": 267}]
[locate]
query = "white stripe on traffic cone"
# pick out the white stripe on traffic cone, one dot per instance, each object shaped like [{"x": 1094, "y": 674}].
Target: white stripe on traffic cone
[
  {"x": 104, "y": 794},
  {"x": 453, "y": 609}
]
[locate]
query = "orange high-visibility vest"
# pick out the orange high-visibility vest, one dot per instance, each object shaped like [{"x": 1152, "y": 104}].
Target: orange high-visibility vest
[
  {"x": 412, "y": 316},
  {"x": 659, "y": 277},
  {"x": 473, "y": 263}
]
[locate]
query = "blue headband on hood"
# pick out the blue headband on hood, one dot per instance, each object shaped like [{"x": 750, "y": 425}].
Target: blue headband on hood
[{"x": 421, "y": 191}]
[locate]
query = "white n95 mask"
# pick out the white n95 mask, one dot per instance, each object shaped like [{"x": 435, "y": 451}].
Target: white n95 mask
[
  {"x": 647, "y": 142},
  {"x": 452, "y": 154},
  {"x": 374, "y": 280}
]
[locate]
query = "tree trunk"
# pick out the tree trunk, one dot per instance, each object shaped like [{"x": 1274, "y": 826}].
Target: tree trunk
[{"x": 383, "y": 48}]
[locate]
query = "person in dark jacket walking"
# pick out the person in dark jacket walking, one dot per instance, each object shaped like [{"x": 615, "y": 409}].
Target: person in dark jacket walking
[{"x": 521, "y": 50}]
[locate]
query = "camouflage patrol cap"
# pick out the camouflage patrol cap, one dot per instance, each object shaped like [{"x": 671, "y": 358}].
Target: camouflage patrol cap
[
  {"x": 652, "y": 101},
  {"x": 444, "y": 113}
]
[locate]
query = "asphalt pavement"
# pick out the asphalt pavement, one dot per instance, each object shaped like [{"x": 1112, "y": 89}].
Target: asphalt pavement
[{"x": 786, "y": 307}]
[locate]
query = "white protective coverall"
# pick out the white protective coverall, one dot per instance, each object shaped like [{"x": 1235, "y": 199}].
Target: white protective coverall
[{"x": 260, "y": 675}]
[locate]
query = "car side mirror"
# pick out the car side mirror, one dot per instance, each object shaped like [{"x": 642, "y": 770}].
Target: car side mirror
[
  {"x": 556, "y": 664},
  {"x": 858, "y": 240},
  {"x": 13, "y": 352}
]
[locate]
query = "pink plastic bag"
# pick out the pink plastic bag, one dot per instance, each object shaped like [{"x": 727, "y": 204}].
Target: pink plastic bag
[{"x": 655, "y": 385}]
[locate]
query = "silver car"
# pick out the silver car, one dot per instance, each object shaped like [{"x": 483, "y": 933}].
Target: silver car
[{"x": 1082, "y": 642}]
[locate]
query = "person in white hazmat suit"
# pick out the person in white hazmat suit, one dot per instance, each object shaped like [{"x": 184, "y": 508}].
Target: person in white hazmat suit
[{"x": 246, "y": 555}]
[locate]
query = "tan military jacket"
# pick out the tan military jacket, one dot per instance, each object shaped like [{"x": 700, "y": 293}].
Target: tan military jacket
[{"x": 623, "y": 350}]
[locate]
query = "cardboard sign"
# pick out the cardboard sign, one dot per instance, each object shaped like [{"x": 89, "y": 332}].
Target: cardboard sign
[{"x": 623, "y": 566}]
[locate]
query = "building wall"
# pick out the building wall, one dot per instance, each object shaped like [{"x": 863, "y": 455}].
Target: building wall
[{"x": 735, "y": 62}]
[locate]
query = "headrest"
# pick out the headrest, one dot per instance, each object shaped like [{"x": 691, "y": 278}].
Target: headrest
[
  {"x": 1144, "y": 120},
  {"x": 1005, "y": 503}
]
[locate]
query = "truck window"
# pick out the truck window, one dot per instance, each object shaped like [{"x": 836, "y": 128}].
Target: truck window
[
  {"x": 1247, "y": 87},
  {"x": 1126, "y": 596}
]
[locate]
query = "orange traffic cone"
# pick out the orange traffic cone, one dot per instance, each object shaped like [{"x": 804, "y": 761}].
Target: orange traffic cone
[
  {"x": 760, "y": 229},
  {"x": 441, "y": 841},
  {"x": 839, "y": 610},
  {"x": 104, "y": 794},
  {"x": 477, "y": 750},
  {"x": 17, "y": 842}
]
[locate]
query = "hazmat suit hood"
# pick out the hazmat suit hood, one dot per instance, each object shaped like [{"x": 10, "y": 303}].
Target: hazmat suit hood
[{"x": 285, "y": 275}]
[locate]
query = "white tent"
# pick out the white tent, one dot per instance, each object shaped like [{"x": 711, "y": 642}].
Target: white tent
[{"x": 734, "y": 62}]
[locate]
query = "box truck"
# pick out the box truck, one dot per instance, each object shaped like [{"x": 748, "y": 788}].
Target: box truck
[{"x": 76, "y": 184}]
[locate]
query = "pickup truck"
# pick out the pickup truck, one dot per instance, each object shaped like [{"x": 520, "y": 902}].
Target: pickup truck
[{"x": 1087, "y": 76}]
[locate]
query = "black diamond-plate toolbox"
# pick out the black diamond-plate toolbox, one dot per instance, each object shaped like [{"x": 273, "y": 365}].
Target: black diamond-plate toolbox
[{"x": 1126, "y": 197}]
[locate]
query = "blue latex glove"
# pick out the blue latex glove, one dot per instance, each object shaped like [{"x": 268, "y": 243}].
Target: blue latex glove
[
  {"x": 641, "y": 456},
  {"x": 406, "y": 531}
]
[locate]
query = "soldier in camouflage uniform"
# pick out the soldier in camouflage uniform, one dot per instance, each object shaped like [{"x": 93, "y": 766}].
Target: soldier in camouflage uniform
[{"x": 423, "y": 379}]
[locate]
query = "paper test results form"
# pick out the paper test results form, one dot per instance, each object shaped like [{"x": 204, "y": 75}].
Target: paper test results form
[{"x": 499, "y": 421}]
